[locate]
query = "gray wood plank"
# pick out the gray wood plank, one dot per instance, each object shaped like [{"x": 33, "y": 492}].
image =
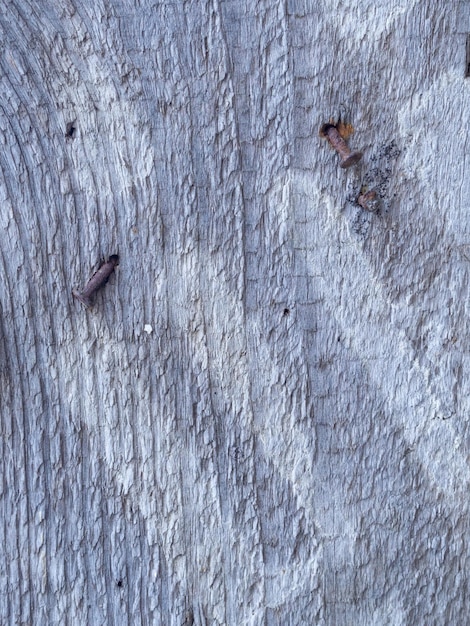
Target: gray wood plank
[{"x": 263, "y": 419}]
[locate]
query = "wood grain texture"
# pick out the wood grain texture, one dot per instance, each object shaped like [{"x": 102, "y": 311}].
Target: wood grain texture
[{"x": 264, "y": 419}]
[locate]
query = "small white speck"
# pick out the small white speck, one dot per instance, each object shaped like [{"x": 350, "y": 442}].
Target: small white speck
[{"x": 148, "y": 329}]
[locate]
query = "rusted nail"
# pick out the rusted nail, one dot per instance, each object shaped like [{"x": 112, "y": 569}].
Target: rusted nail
[
  {"x": 369, "y": 201},
  {"x": 98, "y": 280},
  {"x": 348, "y": 158}
]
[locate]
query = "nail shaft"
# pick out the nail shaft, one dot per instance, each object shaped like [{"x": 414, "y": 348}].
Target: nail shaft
[
  {"x": 98, "y": 280},
  {"x": 348, "y": 158}
]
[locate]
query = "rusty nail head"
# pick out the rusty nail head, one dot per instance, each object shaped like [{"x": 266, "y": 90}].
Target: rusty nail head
[{"x": 369, "y": 201}]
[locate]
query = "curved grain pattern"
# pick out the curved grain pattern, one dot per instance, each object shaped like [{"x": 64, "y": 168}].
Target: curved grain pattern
[{"x": 263, "y": 419}]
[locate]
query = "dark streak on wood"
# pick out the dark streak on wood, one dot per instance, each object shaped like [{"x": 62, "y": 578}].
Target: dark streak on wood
[{"x": 467, "y": 58}]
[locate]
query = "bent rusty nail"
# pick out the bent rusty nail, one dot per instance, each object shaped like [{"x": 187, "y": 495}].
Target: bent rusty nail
[{"x": 98, "y": 280}]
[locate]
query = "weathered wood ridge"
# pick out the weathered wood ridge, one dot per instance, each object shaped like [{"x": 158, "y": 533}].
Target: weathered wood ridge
[{"x": 264, "y": 418}]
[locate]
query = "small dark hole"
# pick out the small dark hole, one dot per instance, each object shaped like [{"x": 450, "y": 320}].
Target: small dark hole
[
  {"x": 119, "y": 583},
  {"x": 286, "y": 312},
  {"x": 70, "y": 130}
]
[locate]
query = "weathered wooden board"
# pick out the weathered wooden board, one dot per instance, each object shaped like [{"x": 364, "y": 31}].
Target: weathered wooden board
[{"x": 264, "y": 419}]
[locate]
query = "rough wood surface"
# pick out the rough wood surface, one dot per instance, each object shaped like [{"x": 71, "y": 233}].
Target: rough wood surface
[{"x": 265, "y": 417}]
